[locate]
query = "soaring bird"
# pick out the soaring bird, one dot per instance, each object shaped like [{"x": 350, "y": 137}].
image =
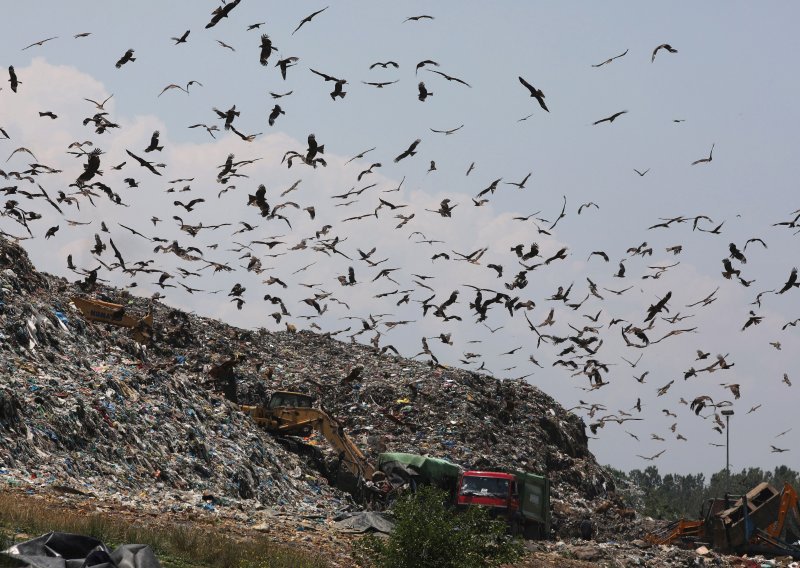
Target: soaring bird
[
  {"x": 535, "y": 93},
  {"x": 705, "y": 160},
  {"x": 450, "y": 78},
  {"x": 791, "y": 282},
  {"x": 285, "y": 63},
  {"x": 412, "y": 150},
  {"x": 221, "y": 12},
  {"x": 308, "y": 19},
  {"x": 734, "y": 388},
  {"x": 12, "y": 78},
  {"x": 665, "y": 46},
  {"x": 521, "y": 184},
  {"x": 651, "y": 458},
  {"x": 144, "y": 163},
  {"x": 154, "y": 143},
  {"x": 610, "y": 59},
  {"x": 266, "y": 50},
  {"x": 274, "y": 114},
  {"x": 384, "y": 64},
  {"x": 39, "y": 43},
  {"x": 181, "y": 39},
  {"x": 128, "y": 56},
  {"x": 423, "y": 63},
  {"x": 424, "y": 93},
  {"x": 99, "y": 106},
  {"x": 611, "y": 118}
]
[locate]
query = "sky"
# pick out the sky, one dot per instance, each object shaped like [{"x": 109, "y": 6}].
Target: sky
[{"x": 730, "y": 84}]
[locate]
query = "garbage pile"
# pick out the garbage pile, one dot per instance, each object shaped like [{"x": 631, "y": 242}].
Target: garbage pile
[
  {"x": 85, "y": 406},
  {"x": 575, "y": 553}
]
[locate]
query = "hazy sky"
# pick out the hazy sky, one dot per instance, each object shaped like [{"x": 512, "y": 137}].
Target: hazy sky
[{"x": 732, "y": 83}]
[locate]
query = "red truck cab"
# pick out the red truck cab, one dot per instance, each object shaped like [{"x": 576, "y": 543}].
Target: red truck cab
[{"x": 489, "y": 489}]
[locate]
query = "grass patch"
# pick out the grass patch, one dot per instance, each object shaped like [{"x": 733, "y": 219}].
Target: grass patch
[{"x": 177, "y": 546}]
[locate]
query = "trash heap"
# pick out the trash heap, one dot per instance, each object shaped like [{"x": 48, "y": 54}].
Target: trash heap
[{"x": 84, "y": 406}]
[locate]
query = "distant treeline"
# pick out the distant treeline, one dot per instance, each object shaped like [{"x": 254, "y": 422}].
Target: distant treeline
[{"x": 675, "y": 496}]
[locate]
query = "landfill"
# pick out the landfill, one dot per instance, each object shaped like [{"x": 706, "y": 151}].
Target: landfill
[{"x": 87, "y": 412}]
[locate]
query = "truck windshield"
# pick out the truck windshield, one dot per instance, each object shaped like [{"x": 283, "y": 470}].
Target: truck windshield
[{"x": 489, "y": 486}]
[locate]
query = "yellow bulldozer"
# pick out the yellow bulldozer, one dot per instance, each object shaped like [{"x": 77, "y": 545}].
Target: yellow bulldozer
[
  {"x": 115, "y": 314},
  {"x": 293, "y": 414}
]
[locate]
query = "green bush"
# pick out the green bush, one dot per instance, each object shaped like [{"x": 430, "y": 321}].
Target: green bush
[{"x": 428, "y": 534}]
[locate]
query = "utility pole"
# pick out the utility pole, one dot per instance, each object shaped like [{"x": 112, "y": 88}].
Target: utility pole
[{"x": 727, "y": 414}]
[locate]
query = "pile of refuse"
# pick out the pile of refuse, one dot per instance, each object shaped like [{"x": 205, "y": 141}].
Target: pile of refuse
[{"x": 84, "y": 406}]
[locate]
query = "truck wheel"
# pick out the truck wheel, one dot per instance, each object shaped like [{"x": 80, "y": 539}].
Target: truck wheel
[
  {"x": 530, "y": 531},
  {"x": 516, "y": 527}
]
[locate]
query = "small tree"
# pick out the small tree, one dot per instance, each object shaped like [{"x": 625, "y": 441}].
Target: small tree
[{"x": 428, "y": 534}]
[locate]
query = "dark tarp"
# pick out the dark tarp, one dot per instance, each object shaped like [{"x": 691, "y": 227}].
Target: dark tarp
[
  {"x": 365, "y": 522},
  {"x": 65, "y": 550}
]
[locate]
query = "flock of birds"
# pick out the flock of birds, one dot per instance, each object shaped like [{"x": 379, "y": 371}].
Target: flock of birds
[{"x": 563, "y": 337}]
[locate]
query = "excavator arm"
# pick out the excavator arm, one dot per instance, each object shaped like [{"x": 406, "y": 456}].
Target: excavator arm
[
  {"x": 285, "y": 420},
  {"x": 788, "y": 502}
]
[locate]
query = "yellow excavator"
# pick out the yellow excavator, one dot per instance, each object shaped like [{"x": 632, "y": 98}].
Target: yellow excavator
[
  {"x": 764, "y": 520},
  {"x": 293, "y": 413}
]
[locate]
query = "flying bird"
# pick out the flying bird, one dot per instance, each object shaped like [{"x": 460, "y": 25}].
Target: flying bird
[
  {"x": 535, "y": 93},
  {"x": 651, "y": 458},
  {"x": 790, "y": 283},
  {"x": 308, "y": 19},
  {"x": 665, "y": 46},
  {"x": 284, "y": 64},
  {"x": 12, "y": 78},
  {"x": 39, "y": 43},
  {"x": 422, "y": 64},
  {"x": 266, "y": 50},
  {"x": 423, "y": 92},
  {"x": 144, "y": 163},
  {"x": 221, "y": 12},
  {"x": 610, "y": 59},
  {"x": 450, "y": 78},
  {"x": 384, "y": 64},
  {"x": 128, "y": 56},
  {"x": 705, "y": 160},
  {"x": 611, "y": 118},
  {"x": 181, "y": 39},
  {"x": 410, "y": 151},
  {"x": 154, "y": 143},
  {"x": 274, "y": 114},
  {"x": 418, "y": 18},
  {"x": 100, "y": 106}
]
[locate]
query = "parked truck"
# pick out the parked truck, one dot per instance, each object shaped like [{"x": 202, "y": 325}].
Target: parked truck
[{"x": 522, "y": 499}]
